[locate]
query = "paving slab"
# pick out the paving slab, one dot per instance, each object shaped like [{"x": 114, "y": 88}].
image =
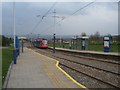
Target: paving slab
[{"x": 34, "y": 70}]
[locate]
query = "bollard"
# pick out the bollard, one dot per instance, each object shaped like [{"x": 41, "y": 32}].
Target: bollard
[{"x": 14, "y": 56}]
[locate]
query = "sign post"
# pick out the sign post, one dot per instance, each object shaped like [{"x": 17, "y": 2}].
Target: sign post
[
  {"x": 16, "y": 49},
  {"x": 17, "y": 45}
]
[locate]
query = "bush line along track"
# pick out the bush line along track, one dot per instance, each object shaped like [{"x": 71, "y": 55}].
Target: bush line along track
[{"x": 47, "y": 52}]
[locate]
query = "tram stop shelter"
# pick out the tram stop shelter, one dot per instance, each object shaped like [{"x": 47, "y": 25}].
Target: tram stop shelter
[
  {"x": 84, "y": 40},
  {"x": 22, "y": 38}
]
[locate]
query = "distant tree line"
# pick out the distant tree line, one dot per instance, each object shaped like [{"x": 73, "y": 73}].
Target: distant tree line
[
  {"x": 96, "y": 38},
  {"x": 6, "y": 41}
]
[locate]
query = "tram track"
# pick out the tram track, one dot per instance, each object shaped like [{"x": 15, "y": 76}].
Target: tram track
[
  {"x": 113, "y": 86},
  {"x": 90, "y": 58},
  {"x": 88, "y": 65},
  {"x": 91, "y": 72},
  {"x": 113, "y": 71},
  {"x": 105, "y": 73}
]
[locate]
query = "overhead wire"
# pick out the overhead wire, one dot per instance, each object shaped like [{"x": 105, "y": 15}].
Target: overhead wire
[
  {"x": 36, "y": 25},
  {"x": 50, "y": 9},
  {"x": 83, "y": 7},
  {"x": 77, "y": 11},
  {"x": 43, "y": 17},
  {"x": 72, "y": 14}
]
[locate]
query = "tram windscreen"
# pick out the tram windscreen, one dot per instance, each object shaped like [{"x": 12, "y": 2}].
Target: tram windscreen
[{"x": 44, "y": 41}]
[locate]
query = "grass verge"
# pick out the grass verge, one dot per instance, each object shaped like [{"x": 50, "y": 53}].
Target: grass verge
[
  {"x": 0, "y": 68},
  {"x": 91, "y": 47},
  {"x": 7, "y": 57}
]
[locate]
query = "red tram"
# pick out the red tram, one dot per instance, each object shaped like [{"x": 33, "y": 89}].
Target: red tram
[{"x": 40, "y": 43}]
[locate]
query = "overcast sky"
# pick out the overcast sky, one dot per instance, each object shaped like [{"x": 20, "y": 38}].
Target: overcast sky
[{"x": 99, "y": 16}]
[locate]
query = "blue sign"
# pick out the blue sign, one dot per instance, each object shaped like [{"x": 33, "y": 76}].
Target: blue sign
[
  {"x": 17, "y": 45},
  {"x": 16, "y": 42},
  {"x": 106, "y": 43}
]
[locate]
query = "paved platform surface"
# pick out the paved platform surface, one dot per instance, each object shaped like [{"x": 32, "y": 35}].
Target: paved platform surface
[
  {"x": 91, "y": 52},
  {"x": 37, "y": 71}
]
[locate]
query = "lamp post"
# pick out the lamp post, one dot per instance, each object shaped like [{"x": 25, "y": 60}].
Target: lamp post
[
  {"x": 54, "y": 33},
  {"x": 14, "y": 52},
  {"x": 14, "y": 22},
  {"x": 31, "y": 39}
]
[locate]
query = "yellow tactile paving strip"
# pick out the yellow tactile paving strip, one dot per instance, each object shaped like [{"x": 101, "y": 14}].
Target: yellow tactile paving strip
[{"x": 57, "y": 75}]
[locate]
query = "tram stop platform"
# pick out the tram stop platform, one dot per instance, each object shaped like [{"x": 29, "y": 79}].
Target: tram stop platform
[
  {"x": 87, "y": 51},
  {"x": 34, "y": 70}
]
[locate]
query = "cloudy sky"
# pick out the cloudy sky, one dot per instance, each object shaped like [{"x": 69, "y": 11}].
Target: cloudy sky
[{"x": 98, "y": 16}]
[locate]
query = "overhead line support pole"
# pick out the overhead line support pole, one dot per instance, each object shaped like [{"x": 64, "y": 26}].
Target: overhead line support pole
[
  {"x": 14, "y": 51},
  {"x": 14, "y": 22},
  {"x": 54, "y": 33}
]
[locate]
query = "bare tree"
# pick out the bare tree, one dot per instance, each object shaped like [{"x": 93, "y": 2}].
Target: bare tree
[
  {"x": 83, "y": 34},
  {"x": 95, "y": 37}
]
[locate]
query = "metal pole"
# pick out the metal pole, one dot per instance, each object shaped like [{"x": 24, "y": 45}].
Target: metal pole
[
  {"x": 14, "y": 54},
  {"x": 18, "y": 47},
  {"x": 54, "y": 43},
  {"x": 73, "y": 44},
  {"x": 22, "y": 45},
  {"x": 14, "y": 21},
  {"x": 38, "y": 35},
  {"x": 60, "y": 42},
  {"x": 31, "y": 40},
  {"x": 54, "y": 34},
  {"x": 76, "y": 43}
]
